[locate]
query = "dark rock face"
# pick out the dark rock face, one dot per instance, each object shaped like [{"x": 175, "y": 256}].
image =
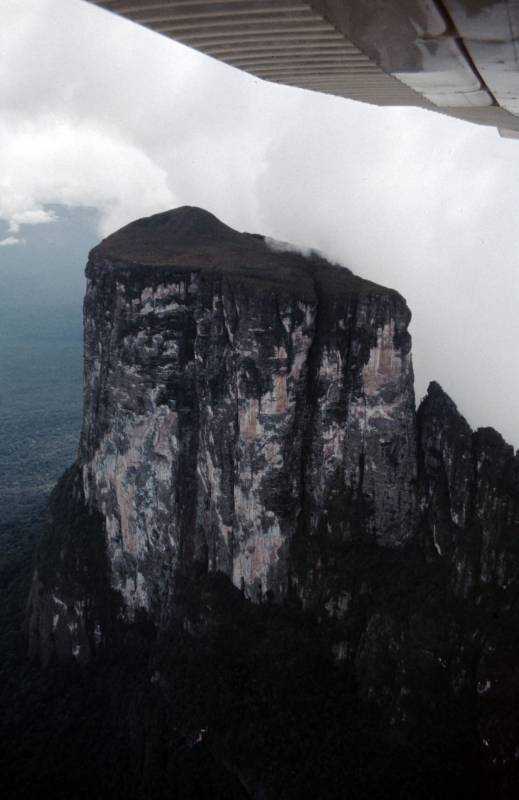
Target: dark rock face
[
  {"x": 469, "y": 486},
  {"x": 249, "y": 410},
  {"x": 238, "y": 398}
]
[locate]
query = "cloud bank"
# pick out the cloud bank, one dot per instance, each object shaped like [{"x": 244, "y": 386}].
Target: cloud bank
[{"x": 97, "y": 111}]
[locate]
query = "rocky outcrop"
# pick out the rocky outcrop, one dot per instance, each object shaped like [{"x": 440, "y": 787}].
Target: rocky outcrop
[
  {"x": 249, "y": 420},
  {"x": 242, "y": 401},
  {"x": 469, "y": 495},
  {"x": 251, "y": 408}
]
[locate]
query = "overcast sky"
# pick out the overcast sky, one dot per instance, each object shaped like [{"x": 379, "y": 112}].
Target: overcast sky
[{"x": 97, "y": 111}]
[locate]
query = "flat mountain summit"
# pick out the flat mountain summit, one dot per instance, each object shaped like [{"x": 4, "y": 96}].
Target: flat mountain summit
[
  {"x": 191, "y": 238},
  {"x": 163, "y": 236}
]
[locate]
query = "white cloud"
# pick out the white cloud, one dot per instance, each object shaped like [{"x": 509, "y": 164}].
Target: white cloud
[
  {"x": 31, "y": 216},
  {"x": 51, "y": 160},
  {"x": 10, "y": 241},
  {"x": 107, "y": 114},
  {"x": 278, "y": 246},
  {"x": 151, "y": 123}
]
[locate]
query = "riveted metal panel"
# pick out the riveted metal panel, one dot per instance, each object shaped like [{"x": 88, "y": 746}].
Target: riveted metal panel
[{"x": 350, "y": 48}]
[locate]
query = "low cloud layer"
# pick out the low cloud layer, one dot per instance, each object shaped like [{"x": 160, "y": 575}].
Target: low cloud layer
[
  {"x": 97, "y": 111},
  {"x": 11, "y": 241}
]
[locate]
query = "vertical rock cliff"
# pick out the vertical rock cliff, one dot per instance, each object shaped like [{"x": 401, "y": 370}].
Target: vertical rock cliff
[
  {"x": 243, "y": 402},
  {"x": 470, "y": 494},
  {"x": 250, "y": 434}
]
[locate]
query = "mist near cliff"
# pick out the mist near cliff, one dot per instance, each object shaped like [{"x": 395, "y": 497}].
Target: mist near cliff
[{"x": 99, "y": 112}]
